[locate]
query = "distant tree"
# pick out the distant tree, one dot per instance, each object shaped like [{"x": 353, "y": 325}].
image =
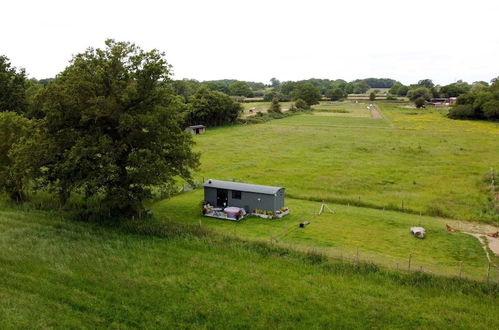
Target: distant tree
[
  {"x": 217, "y": 86},
  {"x": 274, "y": 82},
  {"x": 286, "y": 90},
  {"x": 212, "y": 108},
  {"x": 275, "y": 107},
  {"x": 335, "y": 94},
  {"x": 240, "y": 88},
  {"x": 418, "y": 92},
  {"x": 402, "y": 91},
  {"x": 428, "y": 83},
  {"x": 394, "y": 89},
  {"x": 12, "y": 87},
  {"x": 360, "y": 87},
  {"x": 420, "y": 102},
  {"x": 380, "y": 82},
  {"x": 307, "y": 92},
  {"x": 114, "y": 130},
  {"x": 13, "y": 172},
  {"x": 268, "y": 96},
  {"x": 185, "y": 87},
  {"x": 301, "y": 105},
  {"x": 455, "y": 89},
  {"x": 372, "y": 96}
]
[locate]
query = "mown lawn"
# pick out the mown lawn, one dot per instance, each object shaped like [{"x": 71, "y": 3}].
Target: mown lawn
[
  {"x": 381, "y": 237},
  {"x": 57, "y": 273},
  {"x": 412, "y": 160}
]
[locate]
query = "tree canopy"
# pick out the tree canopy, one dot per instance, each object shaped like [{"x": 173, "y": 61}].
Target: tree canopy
[
  {"x": 112, "y": 128},
  {"x": 212, "y": 108},
  {"x": 12, "y": 87},
  {"x": 307, "y": 92}
]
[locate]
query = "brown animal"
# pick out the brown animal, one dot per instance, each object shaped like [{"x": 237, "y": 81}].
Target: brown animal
[
  {"x": 496, "y": 234},
  {"x": 449, "y": 228}
]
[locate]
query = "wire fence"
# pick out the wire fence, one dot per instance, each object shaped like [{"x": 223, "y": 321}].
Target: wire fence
[{"x": 412, "y": 263}]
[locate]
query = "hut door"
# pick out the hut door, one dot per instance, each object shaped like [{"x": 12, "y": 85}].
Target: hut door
[{"x": 222, "y": 197}]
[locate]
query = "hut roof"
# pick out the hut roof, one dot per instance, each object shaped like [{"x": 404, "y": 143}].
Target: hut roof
[{"x": 254, "y": 188}]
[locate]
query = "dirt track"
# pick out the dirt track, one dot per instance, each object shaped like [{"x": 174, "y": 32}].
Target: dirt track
[{"x": 375, "y": 113}]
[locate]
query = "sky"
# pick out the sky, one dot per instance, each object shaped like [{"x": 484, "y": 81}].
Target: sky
[{"x": 256, "y": 40}]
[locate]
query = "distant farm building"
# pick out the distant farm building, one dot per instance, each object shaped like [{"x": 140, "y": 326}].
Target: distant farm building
[
  {"x": 196, "y": 129},
  {"x": 251, "y": 198},
  {"x": 442, "y": 101}
]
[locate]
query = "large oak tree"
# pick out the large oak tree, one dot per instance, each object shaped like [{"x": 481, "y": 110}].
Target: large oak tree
[{"x": 113, "y": 131}]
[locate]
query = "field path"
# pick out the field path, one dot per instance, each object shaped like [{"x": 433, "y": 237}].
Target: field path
[{"x": 375, "y": 113}]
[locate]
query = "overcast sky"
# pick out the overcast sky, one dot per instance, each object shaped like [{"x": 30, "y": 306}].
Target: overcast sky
[{"x": 257, "y": 40}]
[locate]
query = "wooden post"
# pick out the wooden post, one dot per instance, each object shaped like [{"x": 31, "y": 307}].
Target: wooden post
[{"x": 409, "y": 264}]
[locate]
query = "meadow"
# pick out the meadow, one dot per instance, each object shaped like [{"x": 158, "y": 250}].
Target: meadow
[
  {"x": 412, "y": 167},
  {"x": 416, "y": 161},
  {"x": 58, "y": 273}
]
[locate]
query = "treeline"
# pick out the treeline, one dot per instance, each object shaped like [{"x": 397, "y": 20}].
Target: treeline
[{"x": 480, "y": 102}]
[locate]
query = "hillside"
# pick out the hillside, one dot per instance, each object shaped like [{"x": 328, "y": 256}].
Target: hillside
[{"x": 58, "y": 273}]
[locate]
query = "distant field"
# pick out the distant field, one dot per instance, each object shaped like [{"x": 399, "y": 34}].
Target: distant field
[
  {"x": 261, "y": 107},
  {"x": 342, "y": 109},
  {"x": 416, "y": 160}
]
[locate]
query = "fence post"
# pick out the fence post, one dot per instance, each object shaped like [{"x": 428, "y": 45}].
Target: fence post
[{"x": 409, "y": 264}]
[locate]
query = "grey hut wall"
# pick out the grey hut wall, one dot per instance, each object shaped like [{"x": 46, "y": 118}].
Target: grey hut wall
[{"x": 249, "y": 201}]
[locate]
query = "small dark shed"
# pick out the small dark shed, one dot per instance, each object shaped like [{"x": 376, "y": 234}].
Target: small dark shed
[
  {"x": 251, "y": 197},
  {"x": 196, "y": 129}
]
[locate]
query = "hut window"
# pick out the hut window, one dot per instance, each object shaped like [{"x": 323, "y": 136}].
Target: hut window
[{"x": 236, "y": 194}]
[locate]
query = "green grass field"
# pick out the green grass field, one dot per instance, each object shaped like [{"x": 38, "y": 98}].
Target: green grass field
[
  {"x": 262, "y": 107},
  {"x": 57, "y": 273},
  {"x": 381, "y": 237},
  {"x": 412, "y": 160}
]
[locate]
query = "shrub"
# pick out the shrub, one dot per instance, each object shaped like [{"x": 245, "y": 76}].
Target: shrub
[
  {"x": 419, "y": 102},
  {"x": 301, "y": 105},
  {"x": 491, "y": 109},
  {"x": 462, "y": 111},
  {"x": 275, "y": 107}
]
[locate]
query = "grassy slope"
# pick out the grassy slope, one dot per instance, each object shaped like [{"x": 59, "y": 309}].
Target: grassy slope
[
  {"x": 57, "y": 273},
  {"x": 418, "y": 160},
  {"x": 381, "y": 236}
]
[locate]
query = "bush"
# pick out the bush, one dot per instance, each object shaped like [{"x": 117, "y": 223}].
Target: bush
[
  {"x": 420, "y": 102},
  {"x": 462, "y": 111},
  {"x": 275, "y": 107},
  {"x": 372, "y": 96},
  {"x": 301, "y": 105},
  {"x": 491, "y": 110}
]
